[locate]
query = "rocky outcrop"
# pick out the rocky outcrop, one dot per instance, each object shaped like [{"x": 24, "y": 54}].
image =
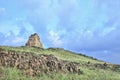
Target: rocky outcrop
[
  {"x": 32, "y": 64},
  {"x": 34, "y": 41}
]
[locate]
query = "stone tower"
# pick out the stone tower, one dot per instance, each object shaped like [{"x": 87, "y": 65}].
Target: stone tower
[{"x": 34, "y": 40}]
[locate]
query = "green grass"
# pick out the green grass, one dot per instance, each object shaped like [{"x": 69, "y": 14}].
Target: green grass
[
  {"x": 14, "y": 74},
  {"x": 57, "y": 52},
  {"x": 89, "y": 72},
  {"x": 99, "y": 74}
]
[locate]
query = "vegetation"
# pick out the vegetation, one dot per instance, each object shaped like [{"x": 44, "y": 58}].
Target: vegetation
[
  {"x": 89, "y": 72},
  {"x": 14, "y": 74},
  {"x": 57, "y": 52}
]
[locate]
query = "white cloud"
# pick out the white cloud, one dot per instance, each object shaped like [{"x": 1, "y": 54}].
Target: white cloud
[
  {"x": 28, "y": 27},
  {"x": 107, "y": 30},
  {"x": 2, "y": 10},
  {"x": 9, "y": 26},
  {"x": 55, "y": 38},
  {"x": 18, "y": 40},
  {"x": 8, "y": 34}
]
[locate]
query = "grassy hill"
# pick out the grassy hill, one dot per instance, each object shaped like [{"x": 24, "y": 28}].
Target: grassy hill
[{"x": 92, "y": 68}]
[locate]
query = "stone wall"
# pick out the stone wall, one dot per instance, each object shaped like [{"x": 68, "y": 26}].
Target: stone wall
[{"x": 32, "y": 64}]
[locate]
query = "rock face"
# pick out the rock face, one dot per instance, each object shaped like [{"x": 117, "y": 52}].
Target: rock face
[
  {"x": 34, "y": 41},
  {"x": 32, "y": 64}
]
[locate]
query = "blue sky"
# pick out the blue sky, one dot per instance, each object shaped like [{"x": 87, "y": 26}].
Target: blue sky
[{"x": 91, "y": 27}]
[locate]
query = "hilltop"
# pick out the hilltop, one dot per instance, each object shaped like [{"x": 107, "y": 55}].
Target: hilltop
[
  {"x": 34, "y": 62},
  {"x": 81, "y": 67}
]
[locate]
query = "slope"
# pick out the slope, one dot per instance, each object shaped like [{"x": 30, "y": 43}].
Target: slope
[{"x": 92, "y": 69}]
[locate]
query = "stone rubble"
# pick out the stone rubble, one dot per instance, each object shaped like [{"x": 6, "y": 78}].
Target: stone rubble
[{"x": 31, "y": 64}]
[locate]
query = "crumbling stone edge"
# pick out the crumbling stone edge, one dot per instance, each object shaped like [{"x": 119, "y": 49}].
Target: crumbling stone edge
[{"x": 33, "y": 64}]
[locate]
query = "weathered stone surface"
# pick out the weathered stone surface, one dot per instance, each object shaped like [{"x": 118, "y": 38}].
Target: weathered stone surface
[
  {"x": 34, "y": 41},
  {"x": 32, "y": 64}
]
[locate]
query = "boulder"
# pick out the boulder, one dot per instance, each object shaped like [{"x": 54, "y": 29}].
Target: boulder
[{"x": 34, "y": 41}]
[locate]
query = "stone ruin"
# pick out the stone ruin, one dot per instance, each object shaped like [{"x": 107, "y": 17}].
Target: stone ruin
[
  {"x": 31, "y": 64},
  {"x": 34, "y": 41}
]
